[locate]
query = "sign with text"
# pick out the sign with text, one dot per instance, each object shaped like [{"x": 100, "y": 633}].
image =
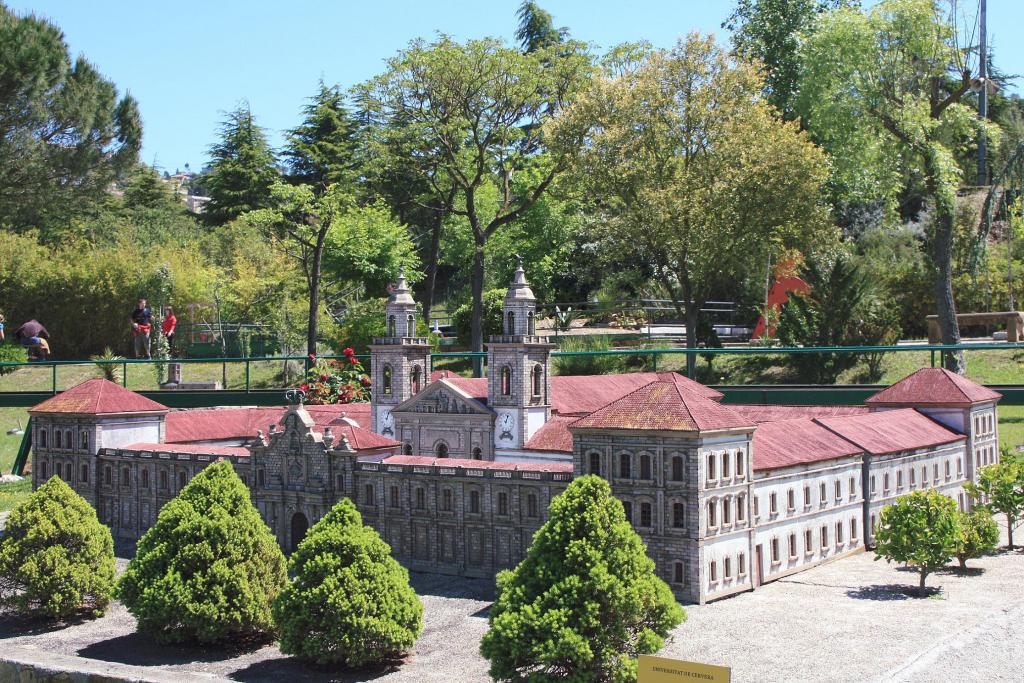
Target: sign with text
[{"x": 664, "y": 670}]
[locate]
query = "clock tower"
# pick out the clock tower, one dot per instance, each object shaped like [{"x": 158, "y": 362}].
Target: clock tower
[
  {"x": 518, "y": 369},
  {"x": 399, "y": 361}
]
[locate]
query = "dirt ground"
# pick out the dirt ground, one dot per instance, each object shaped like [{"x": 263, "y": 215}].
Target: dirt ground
[{"x": 851, "y": 620}]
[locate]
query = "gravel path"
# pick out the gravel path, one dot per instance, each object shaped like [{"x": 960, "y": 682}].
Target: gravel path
[{"x": 850, "y": 620}]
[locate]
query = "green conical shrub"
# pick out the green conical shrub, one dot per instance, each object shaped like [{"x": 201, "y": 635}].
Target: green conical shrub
[
  {"x": 209, "y": 569},
  {"x": 350, "y": 602},
  {"x": 56, "y": 559},
  {"x": 584, "y": 603}
]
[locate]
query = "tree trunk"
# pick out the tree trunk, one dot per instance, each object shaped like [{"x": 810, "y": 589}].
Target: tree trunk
[
  {"x": 942, "y": 258},
  {"x": 477, "y": 322},
  {"x": 432, "y": 259},
  {"x": 963, "y": 561},
  {"x": 692, "y": 317},
  {"x": 314, "y": 291},
  {"x": 920, "y": 587},
  {"x": 1009, "y": 529}
]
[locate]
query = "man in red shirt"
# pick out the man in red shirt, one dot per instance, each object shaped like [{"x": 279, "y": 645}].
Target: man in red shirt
[{"x": 167, "y": 327}]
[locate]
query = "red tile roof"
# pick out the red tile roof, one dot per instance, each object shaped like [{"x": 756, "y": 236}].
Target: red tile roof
[
  {"x": 199, "y": 448},
  {"x": 934, "y": 386},
  {"x": 775, "y": 413},
  {"x": 553, "y": 436},
  {"x": 663, "y": 406},
  {"x": 216, "y": 424},
  {"x": 99, "y": 397},
  {"x": 797, "y": 441},
  {"x": 425, "y": 460},
  {"x": 359, "y": 438},
  {"x": 890, "y": 431}
]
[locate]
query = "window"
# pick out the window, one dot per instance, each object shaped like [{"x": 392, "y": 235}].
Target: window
[
  {"x": 839, "y": 491},
  {"x": 899, "y": 479},
  {"x": 741, "y": 464},
  {"x": 538, "y": 379},
  {"x": 144, "y": 477},
  {"x": 42, "y": 438},
  {"x": 824, "y": 537},
  {"x": 407, "y": 449},
  {"x": 511, "y": 323},
  {"x": 410, "y": 326},
  {"x": 387, "y": 380},
  {"x": 85, "y": 441},
  {"x": 531, "y": 505},
  {"x": 595, "y": 463},
  {"x": 182, "y": 479},
  {"x": 678, "y": 573},
  {"x": 775, "y": 551},
  {"x": 714, "y": 571},
  {"x": 741, "y": 564},
  {"x": 755, "y": 507},
  {"x": 126, "y": 477},
  {"x": 625, "y": 466},
  {"x": 712, "y": 513},
  {"x": 414, "y": 380},
  {"x": 741, "y": 508},
  {"x": 478, "y": 454},
  {"x": 646, "y": 515},
  {"x": 790, "y": 500},
  {"x": 807, "y": 496},
  {"x": 924, "y": 476},
  {"x": 727, "y": 511},
  {"x": 531, "y": 326},
  {"x": 677, "y": 468},
  {"x": 261, "y": 478},
  {"x": 446, "y": 500},
  {"x": 393, "y": 497},
  {"x": 711, "y": 467},
  {"x": 108, "y": 475},
  {"x": 421, "y": 498},
  {"x": 885, "y": 483},
  {"x": 69, "y": 442},
  {"x": 678, "y": 515},
  {"x": 85, "y": 475},
  {"x": 163, "y": 479},
  {"x": 506, "y": 381},
  {"x": 913, "y": 478},
  {"x": 935, "y": 473},
  {"x": 773, "y": 507},
  {"x": 853, "y": 529},
  {"x": 627, "y": 509},
  {"x": 792, "y": 546},
  {"x": 725, "y": 465},
  {"x": 645, "y": 466},
  {"x": 727, "y": 563},
  {"x": 947, "y": 470},
  {"x": 872, "y": 484},
  {"x": 502, "y": 503},
  {"x": 822, "y": 493},
  {"x": 874, "y": 524},
  {"x": 808, "y": 541},
  {"x": 839, "y": 533},
  {"x": 959, "y": 467},
  {"x": 368, "y": 495},
  {"x": 474, "y": 502},
  {"x": 42, "y": 470},
  {"x": 391, "y": 326},
  {"x": 442, "y": 450},
  {"x": 853, "y": 488},
  {"x": 340, "y": 482},
  {"x": 56, "y": 438}
]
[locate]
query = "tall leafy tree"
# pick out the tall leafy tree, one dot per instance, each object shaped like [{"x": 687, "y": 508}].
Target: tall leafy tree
[
  {"x": 322, "y": 150},
  {"x": 65, "y": 133},
  {"x": 893, "y": 79},
  {"x": 469, "y": 116},
  {"x": 979, "y": 535},
  {"x": 769, "y": 31},
  {"x": 536, "y": 30},
  {"x": 921, "y": 529},
  {"x": 691, "y": 171},
  {"x": 585, "y": 602},
  {"x": 1001, "y": 487},
  {"x": 242, "y": 168}
]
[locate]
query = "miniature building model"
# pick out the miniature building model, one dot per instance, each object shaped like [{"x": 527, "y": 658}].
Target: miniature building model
[{"x": 457, "y": 473}]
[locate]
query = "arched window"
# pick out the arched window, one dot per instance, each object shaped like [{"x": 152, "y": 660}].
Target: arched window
[
  {"x": 531, "y": 505},
  {"x": 446, "y": 500},
  {"x": 442, "y": 449},
  {"x": 393, "y": 493},
  {"x": 85, "y": 474},
  {"x": 595, "y": 464},
  {"x": 511, "y": 323},
  {"x": 538, "y": 379},
  {"x": 421, "y": 498},
  {"x": 474, "y": 502},
  {"x": 407, "y": 449},
  {"x": 69, "y": 441},
  {"x": 625, "y": 466},
  {"x": 387, "y": 380},
  {"x": 42, "y": 438},
  {"x": 56, "y": 438},
  {"x": 677, "y": 468},
  {"x": 531, "y": 325},
  {"x": 677, "y": 573},
  {"x": 410, "y": 326},
  {"x": 126, "y": 477},
  {"x": 506, "y": 381},
  {"x": 414, "y": 379},
  {"x": 645, "y": 466},
  {"x": 163, "y": 479},
  {"x": 646, "y": 518},
  {"x": 391, "y": 326},
  {"x": 368, "y": 494},
  {"x": 85, "y": 441},
  {"x": 478, "y": 454},
  {"x": 145, "y": 479},
  {"x": 182, "y": 479},
  {"x": 678, "y": 515}
]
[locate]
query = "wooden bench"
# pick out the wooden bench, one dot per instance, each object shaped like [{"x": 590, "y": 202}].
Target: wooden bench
[{"x": 1014, "y": 324}]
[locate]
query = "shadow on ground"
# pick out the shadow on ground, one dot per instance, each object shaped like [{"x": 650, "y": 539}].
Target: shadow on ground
[
  {"x": 141, "y": 650},
  {"x": 888, "y": 592},
  {"x": 452, "y": 586},
  {"x": 16, "y": 625},
  {"x": 294, "y": 671}
]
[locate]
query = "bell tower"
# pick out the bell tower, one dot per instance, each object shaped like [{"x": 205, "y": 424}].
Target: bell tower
[
  {"x": 399, "y": 361},
  {"x": 518, "y": 368}
]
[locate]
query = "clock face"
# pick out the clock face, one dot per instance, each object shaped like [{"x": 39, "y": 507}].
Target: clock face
[
  {"x": 386, "y": 423},
  {"x": 387, "y": 419},
  {"x": 506, "y": 426}
]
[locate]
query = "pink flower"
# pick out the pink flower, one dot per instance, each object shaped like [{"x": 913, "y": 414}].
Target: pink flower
[
  {"x": 304, "y": 387},
  {"x": 312, "y": 356},
  {"x": 353, "y": 359},
  {"x": 348, "y": 351}
]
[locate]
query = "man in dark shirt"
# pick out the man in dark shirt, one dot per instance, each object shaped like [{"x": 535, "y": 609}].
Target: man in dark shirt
[
  {"x": 32, "y": 335},
  {"x": 142, "y": 324}
]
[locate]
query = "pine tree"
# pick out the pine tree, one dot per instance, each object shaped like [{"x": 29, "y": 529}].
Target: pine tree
[
  {"x": 585, "y": 602},
  {"x": 242, "y": 170},
  {"x": 350, "y": 602},
  {"x": 56, "y": 559},
  {"x": 209, "y": 569},
  {"x": 322, "y": 151}
]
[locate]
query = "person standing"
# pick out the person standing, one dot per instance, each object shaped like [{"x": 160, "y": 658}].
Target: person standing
[
  {"x": 142, "y": 326},
  {"x": 33, "y": 336},
  {"x": 167, "y": 327},
  {"x": 3, "y": 321}
]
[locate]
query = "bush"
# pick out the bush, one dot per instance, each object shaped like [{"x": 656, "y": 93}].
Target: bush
[
  {"x": 979, "y": 535},
  {"x": 209, "y": 569},
  {"x": 350, "y": 602},
  {"x": 462, "y": 318},
  {"x": 586, "y": 365},
  {"x": 921, "y": 529},
  {"x": 12, "y": 353},
  {"x": 56, "y": 558},
  {"x": 585, "y": 598}
]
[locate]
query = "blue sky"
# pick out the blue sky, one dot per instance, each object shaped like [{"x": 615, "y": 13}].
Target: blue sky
[{"x": 188, "y": 63}]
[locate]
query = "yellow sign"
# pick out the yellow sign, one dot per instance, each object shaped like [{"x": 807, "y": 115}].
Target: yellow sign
[{"x": 664, "y": 670}]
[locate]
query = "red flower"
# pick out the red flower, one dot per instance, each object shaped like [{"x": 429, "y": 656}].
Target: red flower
[
  {"x": 312, "y": 356},
  {"x": 323, "y": 378},
  {"x": 353, "y": 359},
  {"x": 304, "y": 387},
  {"x": 365, "y": 380},
  {"x": 348, "y": 351}
]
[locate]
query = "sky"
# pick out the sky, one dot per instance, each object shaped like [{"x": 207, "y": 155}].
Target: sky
[{"x": 189, "y": 63}]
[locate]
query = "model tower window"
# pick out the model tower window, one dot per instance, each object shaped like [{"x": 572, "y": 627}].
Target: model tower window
[
  {"x": 538, "y": 379},
  {"x": 506, "y": 381},
  {"x": 595, "y": 464},
  {"x": 442, "y": 450},
  {"x": 415, "y": 380},
  {"x": 387, "y": 380}
]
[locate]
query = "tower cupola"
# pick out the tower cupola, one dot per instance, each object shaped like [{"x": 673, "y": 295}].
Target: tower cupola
[
  {"x": 520, "y": 307},
  {"x": 400, "y": 310}
]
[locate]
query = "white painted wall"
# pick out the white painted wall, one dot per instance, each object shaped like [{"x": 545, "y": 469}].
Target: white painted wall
[{"x": 117, "y": 432}]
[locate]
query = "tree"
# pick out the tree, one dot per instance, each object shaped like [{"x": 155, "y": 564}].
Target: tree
[
  {"x": 979, "y": 535},
  {"x": 585, "y": 602},
  {"x": 209, "y": 569},
  {"x": 242, "y": 169},
  {"x": 883, "y": 86},
  {"x": 322, "y": 150},
  {"x": 769, "y": 32},
  {"x": 692, "y": 172},
  {"x": 350, "y": 602},
  {"x": 65, "y": 134},
  {"x": 56, "y": 558},
  {"x": 144, "y": 190},
  {"x": 1000, "y": 489},
  {"x": 920, "y": 529},
  {"x": 536, "y": 29},
  {"x": 467, "y": 117}
]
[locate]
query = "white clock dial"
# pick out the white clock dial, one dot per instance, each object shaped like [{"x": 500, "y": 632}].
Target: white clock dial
[
  {"x": 506, "y": 426},
  {"x": 387, "y": 419},
  {"x": 386, "y": 423}
]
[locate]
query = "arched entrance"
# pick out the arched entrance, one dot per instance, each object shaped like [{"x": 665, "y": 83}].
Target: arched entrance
[{"x": 300, "y": 525}]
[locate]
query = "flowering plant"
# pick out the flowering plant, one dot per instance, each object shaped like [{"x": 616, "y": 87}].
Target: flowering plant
[{"x": 336, "y": 380}]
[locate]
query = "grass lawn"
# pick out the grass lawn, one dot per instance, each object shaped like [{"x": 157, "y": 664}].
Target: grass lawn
[{"x": 1011, "y": 426}]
